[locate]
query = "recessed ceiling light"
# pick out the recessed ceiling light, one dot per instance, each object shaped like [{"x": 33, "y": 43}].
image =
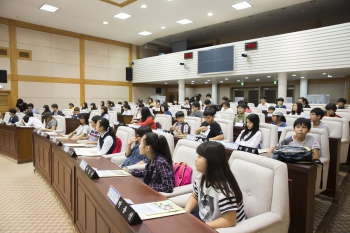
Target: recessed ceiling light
[
  {"x": 257, "y": 79},
  {"x": 205, "y": 82},
  {"x": 166, "y": 83},
  {"x": 221, "y": 81},
  {"x": 294, "y": 75},
  {"x": 144, "y": 33},
  {"x": 184, "y": 21},
  {"x": 105, "y": 22},
  {"x": 226, "y": 78},
  {"x": 246, "y": 77},
  {"x": 210, "y": 14},
  {"x": 162, "y": 27},
  {"x": 330, "y": 76},
  {"x": 192, "y": 83},
  {"x": 302, "y": 77},
  {"x": 324, "y": 73},
  {"x": 269, "y": 76},
  {"x": 177, "y": 82},
  {"x": 238, "y": 80},
  {"x": 122, "y": 15},
  {"x": 47, "y": 7},
  {"x": 143, "y": 6},
  {"x": 208, "y": 80},
  {"x": 241, "y": 5}
]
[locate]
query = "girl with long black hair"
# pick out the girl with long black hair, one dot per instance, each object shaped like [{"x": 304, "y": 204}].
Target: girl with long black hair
[
  {"x": 297, "y": 109},
  {"x": 147, "y": 119},
  {"x": 106, "y": 140},
  {"x": 250, "y": 136}
]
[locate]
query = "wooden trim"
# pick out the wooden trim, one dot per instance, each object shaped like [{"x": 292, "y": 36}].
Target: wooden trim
[
  {"x": 217, "y": 42},
  {"x": 105, "y": 82},
  {"x": 347, "y": 79},
  {"x": 121, "y": 5},
  {"x": 318, "y": 23},
  {"x": 8, "y": 52},
  {"x": 13, "y": 62},
  {"x": 45, "y": 79},
  {"x": 326, "y": 81},
  {"x": 82, "y": 69},
  {"x": 130, "y": 92},
  {"x": 153, "y": 85},
  {"x": 130, "y": 55},
  {"x": 24, "y": 51},
  {"x": 138, "y": 52}
]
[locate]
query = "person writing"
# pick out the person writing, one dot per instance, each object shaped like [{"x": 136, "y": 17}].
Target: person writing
[
  {"x": 159, "y": 172},
  {"x": 82, "y": 131},
  {"x": 215, "y": 190},
  {"x": 180, "y": 127},
  {"x": 250, "y": 136},
  {"x": 106, "y": 140},
  {"x": 278, "y": 119},
  {"x": 209, "y": 128},
  {"x": 316, "y": 115},
  {"x": 30, "y": 120},
  {"x": 13, "y": 117},
  {"x": 147, "y": 119},
  {"x": 241, "y": 116}
]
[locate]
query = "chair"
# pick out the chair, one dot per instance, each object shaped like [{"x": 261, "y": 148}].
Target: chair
[
  {"x": 124, "y": 133},
  {"x": 322, "y": 138},
  {"x": 67, "y": 112},
  {"x": 185, "y": 151},
  {"x": 39, "y": 110},
  {"x": 264, "y": 185},
  {"x": 283, "y": 110},
  {"x": 291, "y": 118},
  {"x": 6, "y": 117},
  {"x": 227, "y": 129},
  {"x": 94, "y": 113},
  {"x": 61, "y": 125},
  {"x": 226, "y": 115},
  {"x": 345, "y": 115},
  {"x": 169, "y": 137},
  {"x": 251, "y": 105},
  {"x": 164, "y": 120},
  {"x": 193, "y": 122},
  {"x": 38, "y": 116},
  {"x": 20, "y": 116},
  {"x": 261, "y": 116},
  {"x": 175, "y": 107},
  {"x": 256, "y": 110},
  {"x": 269, "y": 135}
]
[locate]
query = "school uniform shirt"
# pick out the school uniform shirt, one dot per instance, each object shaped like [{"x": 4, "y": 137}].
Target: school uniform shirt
[
  {"x": 213, "y": 130},
  {"x": 82, "y": 129},
  {"x": 148, "y": 122},
  {"x": 179, "y": 126},
  {"x": 213, "y": 203},
  {"x": 158, "y": 174},
  {"x": 23, "y": 107},
  {"x": 240, "y": 119},
  {"x": 310, "y": 141},
  {"x": 197, "y": 114},
  {"x": 280, "y": 106},
  {"x": 283, "y": 124},
  {"x": 13, "y": 119},
  {"x": 252, "y": 142},
  {"x": 324, "y": 126},
  {"x": 34, "y": 122},
  {"x": 105, "y": 144},
  {"x": 53, "y": 122},
  {"x": 57, "y": 113},
  {"x": 127, "y": 112},
  {"x": 264, "y": 106},
  {"x": 134, "y": 157},
  {"x": 106, "y": 116},
  {"x": 93, "y": 135},
  {"x": 33, "y": 111}
]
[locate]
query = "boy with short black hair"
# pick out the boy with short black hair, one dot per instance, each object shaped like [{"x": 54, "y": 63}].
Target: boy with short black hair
[
  {"x": 241, "y": 116},
  {"x": 13, "y": 118},
  {"x": 21, "y": 106},
  {"x": 301, "y": 138},
  {"x": 76, "y": 113},
  {"x": 180, "y": 127},
  {"x": 93, "y": 135},
  {"x": 187, "y": 103},
  {"x": 210, "y": 128},
  {"x": 31, "y": 108},
  {"x": 270, "y": 110},
  {"x": 208, "y": 97},
  {"x": 280, "y": 103},
  {"x": 316, "y": 115},
  {"x": 341, "y": 103},
  {"x": 263, "y": 104},
  {"x": 55, "y": 111},
  {"x": 195, "y": 110},
  {"x": 331, "y": 109},
  {"x": 207, "y": 104}
]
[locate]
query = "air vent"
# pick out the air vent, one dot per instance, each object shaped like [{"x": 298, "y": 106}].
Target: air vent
[
  {"x": 25, "y": 54},
  {"x": 4, "y": 52},
  {"x": 151, "y": 47}
]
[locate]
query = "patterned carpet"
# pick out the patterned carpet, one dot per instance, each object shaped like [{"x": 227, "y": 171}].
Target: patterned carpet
[{"x": 27, "y": 202}]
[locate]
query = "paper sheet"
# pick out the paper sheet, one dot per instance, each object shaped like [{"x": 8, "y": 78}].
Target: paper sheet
[{"x": 87, "y": 151}]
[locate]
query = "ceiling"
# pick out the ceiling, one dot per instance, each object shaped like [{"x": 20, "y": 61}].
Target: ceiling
[{"x": 87, "y": 16}]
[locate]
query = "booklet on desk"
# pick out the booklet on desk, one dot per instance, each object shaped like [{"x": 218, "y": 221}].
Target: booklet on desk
[
  {"x": 87, "y": 152},
  {"x": 157, "y": 209},
  {"x": 111, "y": 173}
]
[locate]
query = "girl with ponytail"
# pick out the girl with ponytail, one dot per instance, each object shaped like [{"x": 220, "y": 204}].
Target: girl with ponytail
[
  {"x": 106, "y": 140},
  {"x": 159, "y": 172}
]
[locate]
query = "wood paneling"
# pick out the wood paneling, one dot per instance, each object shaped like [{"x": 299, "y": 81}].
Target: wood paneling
[
  {"x": 130, "y": 92},
  {"x": 42, "y": 158},
  {"x": 103, "y": 82},
  {"x": 326, "y": 81},
  {"x": 138, "y": 52},
  {"x": 82, "y": 70},
  {"x": 43, "y": 79},
  {"x": 5, "y": 102},
  {"x": 13, "y": 62}
]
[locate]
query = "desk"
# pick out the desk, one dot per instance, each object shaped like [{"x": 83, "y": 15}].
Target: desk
[
  {"x": 125, "y": 118},
  {"x": 71, "y": 124},
  {"x": 15, "y": 142},
  {"x": 85, "y": 200}
]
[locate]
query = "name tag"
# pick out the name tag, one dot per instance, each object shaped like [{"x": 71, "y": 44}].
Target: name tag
[
  {"x": 69, "y": 151},
  {"x": 56, "y": 141},
  {"x": 91, "y": 173},
  {"x": 231, "y": 145},
  {"x": 113, "y": 195},
  {"x": 127, "y": 212},
  {"x": 83, "y": 164}
]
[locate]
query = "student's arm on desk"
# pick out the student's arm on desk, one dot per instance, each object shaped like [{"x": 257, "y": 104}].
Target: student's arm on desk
[
  {"x": 191, "y": 203},
  {"x": 128, "y": 147},
  {"x": 316, "y": 154},
  {"x": 271, "y": 149},
  {"x": 219, "y": 137},
  {"x": 202, "y": 128},
  {"x": 227, "y": 219}
]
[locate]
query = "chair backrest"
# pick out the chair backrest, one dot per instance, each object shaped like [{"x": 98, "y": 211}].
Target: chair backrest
[
  {"x": 133, "y": 111},
  {"x": 170, "y": 139},
  {"x": 165, "y": 120},
  {"x": 256, "y": 110},
  {"x": 39, "y": 110},
  {"x": 175, "y": 107},
  {"x": 251, "y": 105},
  {"x": 117, "y": 108},
  {"x": 20, "y": 116},
  {"x": 125, "y": 133},
  {"x": 38, "y": 116},
  {"x": 283, "y": 110},
  {"x": 174, "y": 111},
  {"x": 336, "y": 128},
  {"x": 67, "y": 112},
  {"x": 6, "y": 117},
  {"x": 226, "y": 115},
  {"x": 193, "y": 122},
  {"x": 227, "y": 129},
  {"x": 261, "y": 116},
  {"x": 265, "y": 189},
  {"x": 345, "y": 115},
  {"x": 94, "y": 113},
  {"x": 112, "y": 116},
  {"x": 321, "y": 106},
  {"x": 185, "y": 151},
  {"x": 61, "y": 124},
  {"x": 269, "y": 135},
  {"x": 291, "y": 118}
]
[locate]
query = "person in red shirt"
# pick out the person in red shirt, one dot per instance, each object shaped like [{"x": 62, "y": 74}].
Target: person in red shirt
[{"x": 147, "y": 119}]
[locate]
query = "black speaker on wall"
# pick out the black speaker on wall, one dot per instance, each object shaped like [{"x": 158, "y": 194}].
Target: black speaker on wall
[
  {"x": 128, "y": 74},
  {"x": 158, "y": 90},
  {"x": 3, "y": 76}
]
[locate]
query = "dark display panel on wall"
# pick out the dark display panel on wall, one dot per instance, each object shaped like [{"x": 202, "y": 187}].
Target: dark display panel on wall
[{"x": 216, "y": 60}]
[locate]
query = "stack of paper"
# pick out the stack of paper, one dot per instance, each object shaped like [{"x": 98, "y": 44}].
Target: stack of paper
[
  {"x": 157, "y": 209},
  {"x": 87, "y": 151},
  {"x": 111, "y": 173}
]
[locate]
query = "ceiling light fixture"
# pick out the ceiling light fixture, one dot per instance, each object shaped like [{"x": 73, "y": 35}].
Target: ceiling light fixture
[
  {"x": 324, "y": 73},
  {"x": 269, "y": 76},
  {"x": 122, "y": 15},
  {"x": 246, "y": 77},
  {"x": 166, "y": 83},
  {"x": 208, "y": 80},
  {"x": 238, "y": 80},
  {"x": 241, "y": 5},
  {"x": 226, "y": 78},
  {"x": 105, "y": 22},
  {"x": 330, "y": 76},
  {"x": 302, "y": 77},
  {"x": 184, "y": 21},
  {"x": 294, "y": 75},
  {"x": 162, "y": 27},
  {"x": 257, "y": 79},
  {"x": 210, "y": 14},
  {"x": 221, "y": 81},
  {"x": 143, "y": 6},
  {"x": 49, "y": 8},
  {"x": 205, "y": 82},
  {"x": 144, "y": 33}
]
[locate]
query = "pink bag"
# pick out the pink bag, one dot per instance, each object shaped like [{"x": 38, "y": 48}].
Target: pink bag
[{"x": 182, "y": 174}]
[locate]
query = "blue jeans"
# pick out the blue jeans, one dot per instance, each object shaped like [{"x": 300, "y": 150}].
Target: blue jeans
[{"x": 196, "y": 214}]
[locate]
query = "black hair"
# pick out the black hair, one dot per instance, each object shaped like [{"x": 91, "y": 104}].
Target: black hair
[
  {"x": 139, "y": 101},
  {"x": 157, "y": 101},
  {"x": 331, "y": 106},
  {"x": 12, "y": 110},
  {"x": 46, "y": 108},
  {"x": 209, "y": 112},
  {"x": 263, "y": 97},
  {"x": 105, "y": 111},
  {"x": 165, "y": 106},
  {"x": 179, "y": 114},
  {"x": 186, "y": 98},
  {"x": 272, "y": 108},
  {"x": 242, "y": 105},
  {"x": 105, "y": 124},
  {"x": 299, "y": 110},
  {"x": 85, "y": 106},
  {"x": 103, "y": 103},
  {"x": 112, "y": 104},
  {"x": 120, "y": 103},
  {"x": 145, "y": 113},
  {"x": 318, "y": 112},
  {"x": 76, "y": 109},
  {"x": 93, "y": 106},
  {"x": 198, "y": 97},
  {"x": 280, "y": 99},
  {"x": 125, "y": 102},
  {"x": 26, "y": 118},
  {"x": 226, "y": 103},
  {"x": 85, "y": 116},
  {"x": 302, "y": 121},
  {"x": 127, "y": 106},
  {"x": 31, "y": 105},
  {"x": 30, "y": 114},
  {"x": 225, "y": 98},
  {"x": 19, "y": 101},
  {"x": 196, "y": 104},
  {"x": 218, "y": 173},
  {"x": 150, "y": 99},
  {"x": 47, "y": 117},
  {"x": 207, "y": 102},
  {"x": 71, "y": 104},
  {"x": 282, "y": 118},
  {"x": 208, "y": 95},
  {"x": 244, "y": 102},
  {"x": 304, "y": 100},
  {"x": 158, "y": 144},
  {"x": 339, "y": 100},
  {"x": 54, "y": 106},
  {"x": 143, "y": 130},
  {"x": 95, "y": 118},
  {"x": 109, "y": 102},
  {"x": 174, "y": 102},
  {"x": 254, "y": 118},
  {"x": 141, "y": 105}
]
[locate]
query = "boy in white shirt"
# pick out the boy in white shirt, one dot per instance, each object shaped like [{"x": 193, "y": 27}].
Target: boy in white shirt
[
  {"x": 263, "y": 105},
  {"x": 226, "y": 107},
  {"x": 30, "y": 120},
  {"x": 187, "y": 103}
]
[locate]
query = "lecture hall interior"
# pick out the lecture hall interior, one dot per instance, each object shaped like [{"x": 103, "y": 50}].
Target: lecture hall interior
[{"x": 80, "y": 76}]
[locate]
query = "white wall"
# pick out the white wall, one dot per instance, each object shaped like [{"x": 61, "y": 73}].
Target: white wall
[
  {"x": 5, "y": 61},
  {"x": 335, "y": 90}
]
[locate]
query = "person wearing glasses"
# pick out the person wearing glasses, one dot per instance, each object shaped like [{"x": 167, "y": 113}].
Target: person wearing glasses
[{"x": 133, "y": 155}]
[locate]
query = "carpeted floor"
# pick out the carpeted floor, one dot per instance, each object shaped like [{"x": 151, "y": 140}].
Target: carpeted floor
[{"x": 27, "y": 203}]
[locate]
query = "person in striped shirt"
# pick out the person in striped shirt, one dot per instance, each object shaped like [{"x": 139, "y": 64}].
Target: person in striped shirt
[{"x": 215, "y": 191}]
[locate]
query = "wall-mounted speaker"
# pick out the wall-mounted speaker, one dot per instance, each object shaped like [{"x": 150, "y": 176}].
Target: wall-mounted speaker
[
  {"x": 3, "y": 76},
  {"x": 158, "y": 90},
  {"x": 128, "y": 74}
]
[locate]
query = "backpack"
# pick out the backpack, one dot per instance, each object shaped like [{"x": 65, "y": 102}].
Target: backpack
[
  {"x": 118, "y": 145},
  {"x": 182, "y": 174},
  {"x": 158, "y": 125}
]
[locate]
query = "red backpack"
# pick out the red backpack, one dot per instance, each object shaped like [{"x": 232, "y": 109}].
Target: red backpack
[
  {"x": 118, "y": 145},
  {"x": 182, "y": 174}
]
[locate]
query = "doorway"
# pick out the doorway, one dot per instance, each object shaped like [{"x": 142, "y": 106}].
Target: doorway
[
  {"x": 173, "y": 96},
  {"x": 253, "y": 97},
  {"x": 270, "y": 96}
]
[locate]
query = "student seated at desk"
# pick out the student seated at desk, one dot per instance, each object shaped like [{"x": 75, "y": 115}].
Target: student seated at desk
[
  {"x": 280, "y": 103},
  {"x": 93, "y": 106},
  {"x": 82, "y": 131},
  {"x": 180, "y": 127},
  {"x": 226, "y": 107},
  {"x": 133, "y": 155},
  {"x": 127, "y": 109},
  {"x": 84, "y": 106},
  {"x": 297, "y": 109},
  {"x": 278, "y": 119},
  {"x": 13, "y": 118},
  {"x": 250, "y": 136},
  {"x": 147, "y": 119},
  {"x": 316, "y": 115},
  {"x": 137, "y": 115},
  {"x": 341, "y": 103},
  {"x": 71, "y": 106},
  {"x": 21, "y": 106},
  {"x": 331, "y": 109},
  {"x": 209, "y": 128},
  {"x": 93, "y": 135},
  {"x": 187, "y": 103},
  {"x": 207, "y": 104},
  {"x": 165, "y": 109},
  {"x": 301, "y": 137},
  {"x": 30, "y": 120},
  {"x": 195, "y": 110},
  {"x": 46, "y": 109},
  {"x": 106, "y": 140},
  {"x": 76, "y": 113},
  {"x": 159, "y": 172},
  {"x": 157, "y": 107},
  {"x": 215, "y": 191},
  {"x": 270, "y": 110},
  {"x": 247, "y": 110},
  {"x": 104, "y": 113},
  {"x": 263, "y": 104},
  {"x": 50, "y": 122},
  {"x": 31, "y": 108},
  {"x": 241, "y": 116},
  {"x": 55, "y": 111}
]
